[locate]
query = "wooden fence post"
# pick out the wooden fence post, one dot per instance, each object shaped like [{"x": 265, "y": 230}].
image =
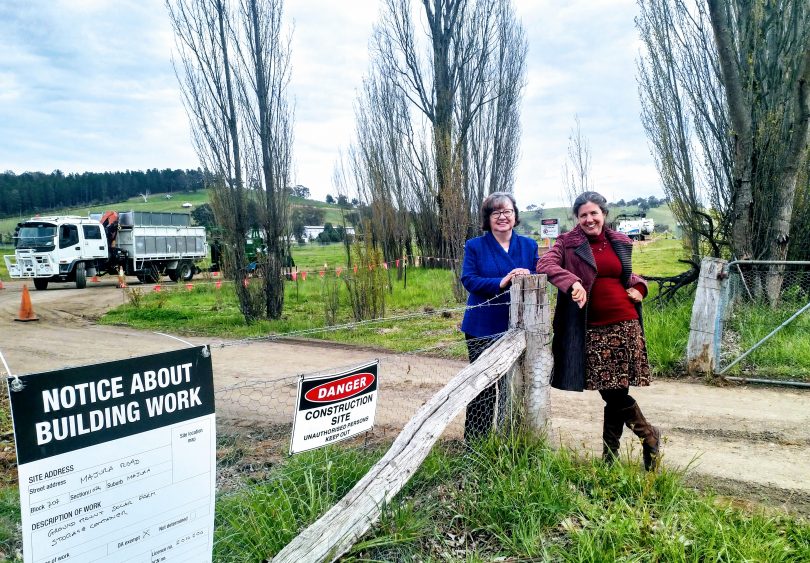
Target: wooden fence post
[
  {"x": 700, "y": 351},
  {"x": 334, "y": 533},
  {"x": 529, "y": 311}
]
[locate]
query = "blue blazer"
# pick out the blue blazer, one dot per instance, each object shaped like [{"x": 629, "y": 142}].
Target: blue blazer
[{"x": 485, "y": 265}]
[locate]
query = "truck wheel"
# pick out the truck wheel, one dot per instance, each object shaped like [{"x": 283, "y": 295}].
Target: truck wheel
[
  {"x": 81, "y": 276},
  {"x": 173, "y": 274},
  {"x": 185, "y": 271},
  {"x": 41, "y": 284}
]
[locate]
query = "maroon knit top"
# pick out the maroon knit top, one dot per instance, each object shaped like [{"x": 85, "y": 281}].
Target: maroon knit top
[{"x": 608, "y": 302}]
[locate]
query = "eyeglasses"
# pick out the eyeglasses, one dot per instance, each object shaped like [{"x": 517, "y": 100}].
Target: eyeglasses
[{"x": 502, "y": 213}]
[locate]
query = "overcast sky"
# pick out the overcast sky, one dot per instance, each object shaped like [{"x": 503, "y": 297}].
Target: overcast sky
[{"x": 88, "y": 85}]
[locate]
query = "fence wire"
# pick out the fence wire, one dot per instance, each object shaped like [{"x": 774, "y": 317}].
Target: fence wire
[
  {"x": 759, "y": 299},
  {"x": 254, "y": 420}
]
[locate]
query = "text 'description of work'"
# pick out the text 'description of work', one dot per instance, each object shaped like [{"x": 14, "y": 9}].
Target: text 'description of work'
[{"x": 117, "y": 460}]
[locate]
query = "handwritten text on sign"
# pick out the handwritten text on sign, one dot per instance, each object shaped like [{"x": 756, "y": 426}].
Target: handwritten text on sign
[{"x": 116, "y": 460}]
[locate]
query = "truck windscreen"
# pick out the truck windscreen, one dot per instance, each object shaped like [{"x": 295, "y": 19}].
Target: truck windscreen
[{"x": 36, "y": 237}]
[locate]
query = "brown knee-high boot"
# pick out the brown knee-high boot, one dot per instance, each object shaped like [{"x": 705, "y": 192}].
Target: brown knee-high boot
[
  {"x": 649, "y": 434},
  {"x": 612, "y": 428}
]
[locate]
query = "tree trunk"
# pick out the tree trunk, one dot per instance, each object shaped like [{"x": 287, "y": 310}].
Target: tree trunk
[{"x": 740, "y": 113}]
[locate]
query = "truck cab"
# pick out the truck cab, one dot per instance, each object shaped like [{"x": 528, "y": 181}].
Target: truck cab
[
  {"x": 57, "y": 249},
  {"x": 137, "y": 243}
]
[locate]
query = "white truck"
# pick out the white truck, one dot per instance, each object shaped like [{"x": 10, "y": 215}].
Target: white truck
[
  {"x": 137, "y": 243},
  {"x": 636, "y": 229}
]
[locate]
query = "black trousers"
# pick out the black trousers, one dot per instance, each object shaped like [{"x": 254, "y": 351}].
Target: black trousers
[
  {"x": 617, "y": 399},
  {"x": 481, "y": 410}
]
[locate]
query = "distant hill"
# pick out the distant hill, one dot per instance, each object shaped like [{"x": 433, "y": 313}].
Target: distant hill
[
  {"x": 661, "y": 215},
  {"x": 159, "y": 202},
  {"x": 40, "y": 192}
]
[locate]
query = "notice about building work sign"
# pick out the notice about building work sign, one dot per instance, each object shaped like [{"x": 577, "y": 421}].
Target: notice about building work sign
[
  {"x": 334, "y": 407},
  {"x": 117, "y": 460}
]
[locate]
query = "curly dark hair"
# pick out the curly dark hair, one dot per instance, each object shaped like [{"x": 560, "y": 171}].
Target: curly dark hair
[{"x": 493, "y": 202}]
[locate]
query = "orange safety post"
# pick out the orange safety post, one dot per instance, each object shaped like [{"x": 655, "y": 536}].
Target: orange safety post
[{"x": 26, "y": 310}]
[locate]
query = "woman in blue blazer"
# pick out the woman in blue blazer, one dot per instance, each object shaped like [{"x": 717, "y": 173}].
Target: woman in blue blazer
[{"x": 491, "y": 261}]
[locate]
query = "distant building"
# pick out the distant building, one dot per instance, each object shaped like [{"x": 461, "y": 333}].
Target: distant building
[{"x": 311, "y": 232}]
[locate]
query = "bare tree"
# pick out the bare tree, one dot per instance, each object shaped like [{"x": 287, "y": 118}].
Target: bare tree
[
  {"x": 492, "y": 147},
  {"x": 379, "y": 160},
  {"x": 451, "y": 132},
  {"x": 685, "y": 116},
  {"x": 577, "y": 169},
  {"x": 764, "y": 57},
  {"x": 206, "y": 71},
  {"x": 738, "y": 73},
  {"x": 264, "y": 61}
]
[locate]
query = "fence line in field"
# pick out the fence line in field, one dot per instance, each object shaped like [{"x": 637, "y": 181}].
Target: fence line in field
[{"x": 525, "y": 347}]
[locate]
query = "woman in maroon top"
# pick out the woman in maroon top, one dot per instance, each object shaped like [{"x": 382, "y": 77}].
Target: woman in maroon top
[{"x": 598, "y": 336}]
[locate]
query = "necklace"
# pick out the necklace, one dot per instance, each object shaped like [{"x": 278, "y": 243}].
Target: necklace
[{"x": 601, "y": 247}]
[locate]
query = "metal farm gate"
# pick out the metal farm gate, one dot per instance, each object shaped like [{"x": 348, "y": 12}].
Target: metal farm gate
[{"x": 763, "y": 333}]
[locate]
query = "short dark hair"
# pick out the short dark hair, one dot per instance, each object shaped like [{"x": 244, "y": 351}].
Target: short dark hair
[
  {"x": 494, "y": 201},
  {"x": 590, "y": 197}
]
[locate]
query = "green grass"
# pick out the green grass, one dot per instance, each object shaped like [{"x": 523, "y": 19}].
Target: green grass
[
  {"x": 207, "y": 311},
  {"x": 262, "y": 519},
  {"x": 157, "y": 202},
  {"x": 786, "y": 355},
  {"x": 659, "y": 257},
  {"x": 3, "y": 270},
  {"x": 332, "y": 211},
  {"x": 9, "y": 523},
  {"x": 312, "y": 256},
  {"x": 210, "y": 311},
  {"x": 666, "y": 328},
  {"x": 514, "y": 499}
]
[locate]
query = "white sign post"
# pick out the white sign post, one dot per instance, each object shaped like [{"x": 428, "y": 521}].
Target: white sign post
[
  {"x": 334, "y": 407},
  {"x": 117, "y": 460},
  {"x": 549, "y": 228}
]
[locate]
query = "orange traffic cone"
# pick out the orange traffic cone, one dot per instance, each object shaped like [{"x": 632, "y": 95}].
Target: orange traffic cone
[
  {"x": 1, "y": 285},
  {"x": 95, "y": 279},
  {"x": 122, "y": 280},
  {"x": 26, "y": 310}
]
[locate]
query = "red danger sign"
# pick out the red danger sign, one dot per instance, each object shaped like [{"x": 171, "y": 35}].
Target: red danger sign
[
  {"x": 335, "y": 407},
  {"x": 339, "y": 389}
]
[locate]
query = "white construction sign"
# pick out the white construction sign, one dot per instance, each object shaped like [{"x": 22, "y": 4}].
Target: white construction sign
[
  {"x": 334, "y": 407},
  {"x": 117, "y": 460},
  {"x": 549, "y": 228}
]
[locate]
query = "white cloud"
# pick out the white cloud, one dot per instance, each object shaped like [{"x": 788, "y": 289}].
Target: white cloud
[{"x": 88, "y": 85}]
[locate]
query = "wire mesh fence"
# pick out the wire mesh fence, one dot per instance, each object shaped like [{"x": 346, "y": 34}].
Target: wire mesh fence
[
  {"x": 261, "y": 412},
  {"x": 257, "y": 474},
  {"x": 764, "y": 329}
]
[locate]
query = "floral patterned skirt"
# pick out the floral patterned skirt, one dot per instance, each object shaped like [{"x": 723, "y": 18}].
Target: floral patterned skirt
[{"x": 616, "y": 357}]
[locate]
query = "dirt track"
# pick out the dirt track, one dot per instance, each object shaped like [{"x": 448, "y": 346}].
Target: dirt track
[{"x": 748, "y": 442}]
